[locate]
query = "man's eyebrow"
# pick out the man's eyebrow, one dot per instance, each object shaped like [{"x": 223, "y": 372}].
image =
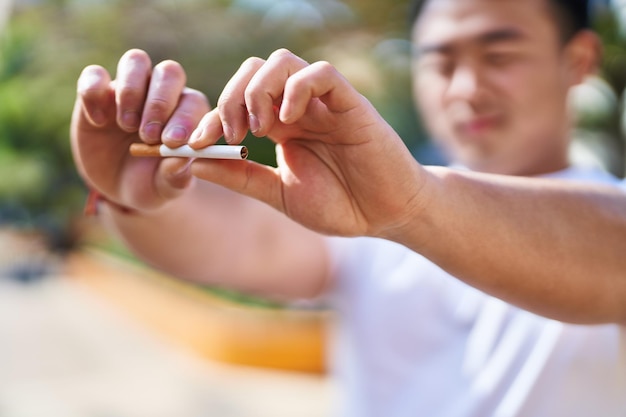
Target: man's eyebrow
[
  {"x": 487, "y": 38},
  {"x": 500, "y": 35}
]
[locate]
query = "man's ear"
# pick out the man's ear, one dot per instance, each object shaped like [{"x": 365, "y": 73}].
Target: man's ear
[{"x": 583, "y": 54}]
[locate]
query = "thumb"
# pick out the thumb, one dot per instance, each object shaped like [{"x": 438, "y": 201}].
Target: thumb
[
  {"x": 173, "y": 177},
  {"x": 261, "y": 182}
]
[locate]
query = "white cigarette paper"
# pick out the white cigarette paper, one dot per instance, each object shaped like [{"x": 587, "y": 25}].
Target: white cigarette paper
[{"x": 185, "y": 151}]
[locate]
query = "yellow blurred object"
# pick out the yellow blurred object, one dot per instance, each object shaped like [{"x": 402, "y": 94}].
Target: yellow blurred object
[{"x": 214, "y": 327}]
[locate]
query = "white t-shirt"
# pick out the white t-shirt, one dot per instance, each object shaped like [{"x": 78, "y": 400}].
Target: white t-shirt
[{"x": 412, "y": 340}]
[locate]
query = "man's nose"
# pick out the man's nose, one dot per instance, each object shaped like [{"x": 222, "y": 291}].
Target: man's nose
[{"x": 465, "y": 84}]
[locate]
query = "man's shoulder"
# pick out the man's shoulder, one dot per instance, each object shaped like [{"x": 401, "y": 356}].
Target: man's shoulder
[{"x": 587, "y": 174}]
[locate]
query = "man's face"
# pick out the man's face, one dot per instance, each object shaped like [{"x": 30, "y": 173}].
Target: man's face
[{"x": 491, "y": 82}]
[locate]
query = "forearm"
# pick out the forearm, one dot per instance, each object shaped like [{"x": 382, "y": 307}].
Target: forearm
[
  {"x": 214, "y": 236},
  {"x": 552, "y": 248}
]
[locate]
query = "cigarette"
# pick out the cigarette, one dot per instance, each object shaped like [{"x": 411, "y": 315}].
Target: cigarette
[{"x": 185, "y": 151}]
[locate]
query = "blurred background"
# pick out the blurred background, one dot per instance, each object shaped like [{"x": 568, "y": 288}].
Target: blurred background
[{"x": 87, "y": 330}]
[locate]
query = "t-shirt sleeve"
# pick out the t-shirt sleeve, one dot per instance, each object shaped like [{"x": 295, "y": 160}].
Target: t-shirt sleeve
[{"x": 357, "y": 261}]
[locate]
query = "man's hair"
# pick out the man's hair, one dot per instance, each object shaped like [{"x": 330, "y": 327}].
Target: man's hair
[{"x": 572, "y": 16}]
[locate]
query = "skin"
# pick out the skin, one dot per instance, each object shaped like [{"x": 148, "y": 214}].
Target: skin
[
  {"x": 493, "y": 90},
  {"x": 342, "y": 170}
]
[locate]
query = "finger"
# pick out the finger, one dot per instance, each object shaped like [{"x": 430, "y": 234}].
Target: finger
[
  {"x": 319, "y": 80},
  {"x": 133, "y": 74},
  {"x": 209, "y": 130},
  {"x": 191, "y": 108},
  {"x": 231, "y": 104},
  {"x": 266, "y": 87},
  {"x": 173, "y": 177},
  {"x": 166, "y": 86},
  {"x": 148, "y": 183},
  {"x": 95, "y": 95},
  {"x": 249, "y": 178}
]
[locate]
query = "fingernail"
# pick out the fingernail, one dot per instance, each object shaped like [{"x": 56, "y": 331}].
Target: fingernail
[
  {"x": 254, "y": 123},
  {"x": 98, "y": 117},
  {"x": 130, "y": 119},
  {"x": 152, "y": 131},
  {"x": 196, "y": 135},
  {"x": 175, "y": 134},
  {"x": 183, "y": 170},
  {"x": 285, "y": 111},
  {"x": 229, "y": 134}
]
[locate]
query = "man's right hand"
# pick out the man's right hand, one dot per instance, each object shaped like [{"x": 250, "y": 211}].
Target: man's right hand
[{"x": 341, "y": 168}]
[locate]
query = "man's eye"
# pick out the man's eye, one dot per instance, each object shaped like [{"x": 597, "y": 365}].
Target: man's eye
[{"x": 499, "y": 58}]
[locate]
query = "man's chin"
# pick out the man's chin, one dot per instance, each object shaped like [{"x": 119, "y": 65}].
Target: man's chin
[{"x": 489, "y": 167}]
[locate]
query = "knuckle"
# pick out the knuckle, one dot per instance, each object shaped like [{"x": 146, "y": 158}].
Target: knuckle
[
  {"x": 170, "y": 68},
  {"x": 281, "y": 54},
  {"x": 324, "y": 67},
  {"x": 227, "y": 100},
  {"x": 158, "y": 107},
  {"x": 137, "y": 58},
  {"x": 136, "y": 53},
  {"x": 91, "y": 80},
  {"x": 252, "y": 62},
  {"x": 284, "y": 57},
  {"x": 93, "y": 71},
  {"x": 131, "y": 93},
  {"x": 196, "y": 97},
  {"x": 223, "y": 99}
]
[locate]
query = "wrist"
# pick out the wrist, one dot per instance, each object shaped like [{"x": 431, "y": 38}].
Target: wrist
[
  {"x": 416, "y": 226},
  {"x": 95, "y": 198}
]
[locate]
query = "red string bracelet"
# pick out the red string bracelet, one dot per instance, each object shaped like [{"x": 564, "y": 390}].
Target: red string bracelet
[{"x": 94, "y": 198}]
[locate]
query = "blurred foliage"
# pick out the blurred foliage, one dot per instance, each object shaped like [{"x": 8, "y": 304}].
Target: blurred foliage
[
  {"x": 600, "y": 103},
  {"x": 36, "y": 170},
  {"x": 614, "y": 55},
  {"x": 47, "y": 43}
]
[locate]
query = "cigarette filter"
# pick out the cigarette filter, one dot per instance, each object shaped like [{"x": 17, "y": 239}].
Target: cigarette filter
[{"x": 185, "y": 151}]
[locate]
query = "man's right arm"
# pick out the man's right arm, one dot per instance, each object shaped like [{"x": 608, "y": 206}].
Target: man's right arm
[
  {"x": 549, "y": 246},
  {"x": 552, "y": 247}
]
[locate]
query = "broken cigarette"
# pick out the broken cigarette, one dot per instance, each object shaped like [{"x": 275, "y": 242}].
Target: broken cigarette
[{"x": 185, "y": 151}]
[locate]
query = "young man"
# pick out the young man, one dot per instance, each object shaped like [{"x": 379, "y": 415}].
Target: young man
[{"x": 491, "y": 79}]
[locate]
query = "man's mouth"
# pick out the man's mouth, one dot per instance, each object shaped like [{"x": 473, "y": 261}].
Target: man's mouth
[{"x": 477, "y": 126}]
